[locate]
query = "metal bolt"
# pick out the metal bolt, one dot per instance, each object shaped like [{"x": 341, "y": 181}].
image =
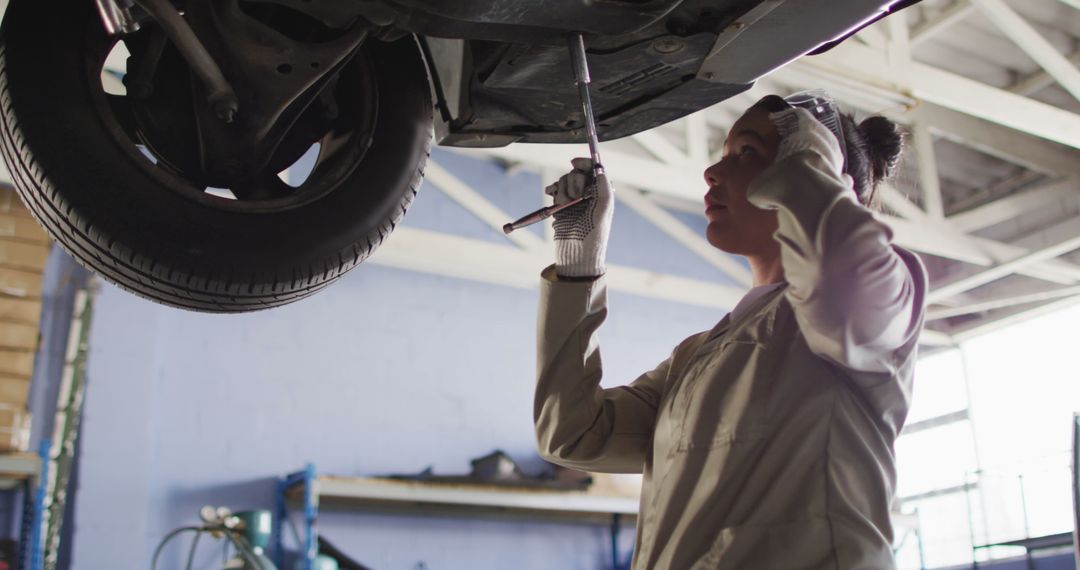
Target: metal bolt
[
  {"x": 668, "y": 45},
  {"x": 225, "y": 110}
]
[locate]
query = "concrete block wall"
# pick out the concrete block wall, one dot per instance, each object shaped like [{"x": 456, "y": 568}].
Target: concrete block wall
[{"x": 387, "y": 371}]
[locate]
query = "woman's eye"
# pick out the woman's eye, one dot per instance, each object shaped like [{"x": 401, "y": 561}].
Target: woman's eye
[{"x": 747, "y": 150}]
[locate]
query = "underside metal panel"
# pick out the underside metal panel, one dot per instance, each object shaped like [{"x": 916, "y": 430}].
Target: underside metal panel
[{"x": 686, "y": 59}]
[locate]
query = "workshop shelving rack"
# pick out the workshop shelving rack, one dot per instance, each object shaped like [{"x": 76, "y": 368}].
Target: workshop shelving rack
[
  {"x": 27, "y": 472},
  {"x": 308, "y": 489}
]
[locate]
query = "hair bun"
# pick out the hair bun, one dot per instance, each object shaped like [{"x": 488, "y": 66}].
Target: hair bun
[{"x": 885, "y": 143}]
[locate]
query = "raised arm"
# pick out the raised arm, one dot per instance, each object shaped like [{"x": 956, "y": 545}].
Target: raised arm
[
  {"x": 857, "y": 297},
  {"x": 578, "y": 423}
]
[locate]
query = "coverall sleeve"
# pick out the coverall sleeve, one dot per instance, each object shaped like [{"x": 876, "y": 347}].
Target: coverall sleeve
[
  {"x": 579, "y": 424},
  {"x": 857, "y": 298}
]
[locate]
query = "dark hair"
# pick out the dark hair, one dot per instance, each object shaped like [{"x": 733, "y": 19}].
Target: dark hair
[
  {"x": 873, "y": 148},
  {"x": 873, "y": 151}
]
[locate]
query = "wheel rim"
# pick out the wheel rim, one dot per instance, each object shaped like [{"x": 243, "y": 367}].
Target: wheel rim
[{"x": 325, "y": 143}]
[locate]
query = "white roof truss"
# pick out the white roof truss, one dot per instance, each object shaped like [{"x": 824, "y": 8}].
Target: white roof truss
[{"x": 1033, "y": 43}]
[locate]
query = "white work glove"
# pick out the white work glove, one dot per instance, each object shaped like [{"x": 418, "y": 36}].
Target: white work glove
[
  {"x": 581, "y": 231},
  {"x": 800, "y": 131}
]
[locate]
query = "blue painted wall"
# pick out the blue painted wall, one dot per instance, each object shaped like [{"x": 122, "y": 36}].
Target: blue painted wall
[{"x": 387, "y": 371}]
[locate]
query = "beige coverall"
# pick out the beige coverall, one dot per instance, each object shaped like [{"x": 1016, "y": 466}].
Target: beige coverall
[{"x": 766, "y": 442}]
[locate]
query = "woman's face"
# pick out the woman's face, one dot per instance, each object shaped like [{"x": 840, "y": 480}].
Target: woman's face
[{"x": 735, "y": 225}]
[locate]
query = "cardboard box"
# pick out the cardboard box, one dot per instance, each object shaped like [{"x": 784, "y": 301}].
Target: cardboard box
[
  {"x": 23, "y": 255},
  {"x": 16, "y": 362},
  {"x": 20, "y": 310},
  {"x": 19, "y": 283},
  {"x": 14, "y": 428},
  {"x": 23, "y": 229},
  {"x": 14, "y": 390},
  {"x": 11, "y": 203},
  {"x": 18, "y": 335}
]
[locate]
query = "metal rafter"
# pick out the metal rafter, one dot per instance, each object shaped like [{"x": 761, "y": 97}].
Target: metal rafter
[
  {"x": 1033, "y": 43},
  {"x": 688, "y": 238},
  {"x": 933, "y": 26},
  {"x": 1009, "y": 267},
  {"x": 929, "y": 179},
  {"x": 478, "y": 205},
  {"x": 1040, "y": 79},
  {"x": 1002, "y": 302},
  {"x": 455, "y": 256},
  {"x": 1015, "y": 205},
  {"x": 865, "y": 65}
]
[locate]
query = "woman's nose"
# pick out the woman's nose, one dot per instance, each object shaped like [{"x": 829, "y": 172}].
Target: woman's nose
[{"x": 713, "y": 174}]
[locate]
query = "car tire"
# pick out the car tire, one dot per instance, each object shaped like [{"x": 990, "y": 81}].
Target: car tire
[{"x": 119, "y": 219}]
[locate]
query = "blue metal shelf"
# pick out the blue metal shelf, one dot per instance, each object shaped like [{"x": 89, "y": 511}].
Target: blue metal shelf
[{"x": 429, "y": 497}]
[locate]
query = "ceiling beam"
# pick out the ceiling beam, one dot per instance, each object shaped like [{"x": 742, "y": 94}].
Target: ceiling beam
[
  {"x": 1014, "y": 205},
  {"x": 995, "y": 140},
  {"x": 1032, "y": 42},
  {"x": 448, "y": 255},
  {"x": 1038, "y": 80},
  {"x": 872, "y": 37},
  {"x": 658, "y": 146},
  {"x": 929, "y": 179},
  {"x": 1000, "y": 270},
  {"x": 622, "y": 169},
  {"x": 1001, "y": 303},
  {"x": 1000, "y": 141},
  {"x": 479, "y": 206},
  {"x": 897, "y": 202},
  {"x": 921, "y": 233},
  {"x": 697, "y": 138},
  {"x": 654, "y": 176},
  {"x": 966, "y": 333},
  {"x": 899, "y": 44},
  {"x": 688, "y": 238},
  {"x": 925, "y": 82},
  {"x": 935, "y": 338},
  {"x": 931, "y": 27}
]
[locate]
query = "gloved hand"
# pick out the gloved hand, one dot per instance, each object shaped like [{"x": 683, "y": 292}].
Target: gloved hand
[
  {"x": 800, "y": 131},
  {"x": 581, "y": 231}
]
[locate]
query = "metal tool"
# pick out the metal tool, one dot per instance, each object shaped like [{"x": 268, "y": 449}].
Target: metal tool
[{"x": 582, "y": 79}]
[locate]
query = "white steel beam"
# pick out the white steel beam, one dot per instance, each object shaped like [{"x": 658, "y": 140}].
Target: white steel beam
[
  {"x": 872, "y": 37},
  {"x": 996, "y": 140},
  {"x": 465, "y": 258},
  {"x": 1040, "y": 79},
  {"x": 935, "y": 338},
  {"x": 978, "y": 329},
  {"x": 476, "y": 260},
  {"x": 688, "y": 238},
  {"x": 953, "y": 91},
  {"x": 941, "y": 22},
  {"x": 697, "y": 139},
  {"x": 919, "y": 232},
  {"x": 999, "y": 141},
  {"x": 1002, "y": 269},
  {"x": 622, "y": 169},
  {"x": 660, "y": 147},
  {"x": 899, "y": 203},
  {"x": 685, "y": 183},
  {"x": 1014, "y": 205},
  {"x": 929, "y": 180},
  {"x": 899, "y": 44},
  {"x": 479, "y": 206},
  {"x": 1032, "y": 42},
  {"x": 1001, "y": 303}
]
